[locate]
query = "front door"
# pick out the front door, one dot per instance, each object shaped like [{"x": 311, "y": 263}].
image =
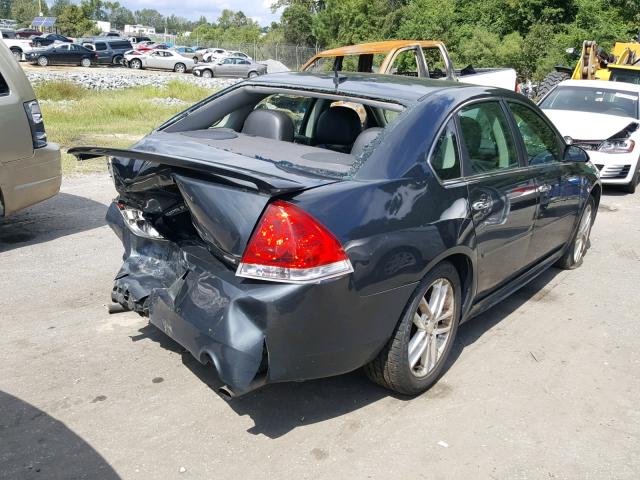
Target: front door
[
  {"x": 558, "y": 189},
  {"x": 502, "y": 193},
  {"x": 62, "y": 54},
  {"x": 154, "y": 60}
]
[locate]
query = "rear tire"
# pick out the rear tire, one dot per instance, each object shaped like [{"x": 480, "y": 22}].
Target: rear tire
[
  {"x": 43, "y": 61},
  {"x": 415, "y": 356},
  {"x": 581, "y": 242},
  {"x": 117, "y": 60},
  {"x": 549, "y": 83},
  {"x": 17, "y": 54},
  {"x": 85, "y": 62}
]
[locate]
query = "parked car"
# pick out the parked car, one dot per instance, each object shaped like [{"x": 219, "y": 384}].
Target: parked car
[
  {"x": 412, "y": 58},
  {"x": 214, "y": 54},
  {"x": 30, "y": 169},
  {"x": 63, "y": 53},
  {"x": 136, "y": 39},
  {"x": 188, "y": 52},
  {"x": 147, "y": 47},
  {"x": 230, "y": 67},
  {"x": 27, "y": 33},
  {"x": 18, "y": 46},
  {"x": 161, "y": 59},
  {"x": 239, "y": 54},
  {"x": 49, "y": 39},
  {"x": 109, "y": 34},
  {"x": 297, "y": 226},
  {"x": 603, "y": 118},
  {"x": 7, "y": 33},
  {"x": 110, "y": 50}
]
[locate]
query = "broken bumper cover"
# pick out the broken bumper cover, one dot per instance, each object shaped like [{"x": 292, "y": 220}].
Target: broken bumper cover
[{"x": 253, "y": 332}]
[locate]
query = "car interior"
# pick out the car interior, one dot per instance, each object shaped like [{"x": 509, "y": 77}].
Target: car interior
[{"x": 323, "y": 131}]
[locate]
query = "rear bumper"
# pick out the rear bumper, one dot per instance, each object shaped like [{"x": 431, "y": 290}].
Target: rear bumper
[
  {"x": 28, "y": 181},
  {"x": 253, "y": 332}
]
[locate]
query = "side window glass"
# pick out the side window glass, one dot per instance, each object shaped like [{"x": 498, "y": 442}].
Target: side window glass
[
  {"x": 445, "y": 159},
  {"x": 487, "y": 138},
  {"x": 540, "y": 141},
  {"x": 4, "y": 88}
]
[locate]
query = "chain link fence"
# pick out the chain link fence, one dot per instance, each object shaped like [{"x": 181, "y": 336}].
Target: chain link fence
[{"x": 292, "y": 56}]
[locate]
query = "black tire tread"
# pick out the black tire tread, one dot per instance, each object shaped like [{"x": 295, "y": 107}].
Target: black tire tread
[{"x": 550, "y": 81}]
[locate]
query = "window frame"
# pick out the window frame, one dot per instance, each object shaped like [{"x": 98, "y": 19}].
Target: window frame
[
  {"x": 467, "y": 174},
  {"x": 523, "y": 149}
]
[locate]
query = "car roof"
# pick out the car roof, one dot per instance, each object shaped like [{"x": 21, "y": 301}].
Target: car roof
[
  {"x": 401, "y": 89},
  {"x": 603, "y": 84},
  {"x": 376, "y": 47}
]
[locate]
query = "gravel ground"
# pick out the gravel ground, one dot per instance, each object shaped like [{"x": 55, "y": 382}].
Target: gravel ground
[
  {"x": 544, "y": 386},
  {"x": 114, "y": 78}
]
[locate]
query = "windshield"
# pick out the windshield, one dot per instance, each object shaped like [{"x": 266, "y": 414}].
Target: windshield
[{"x": 593, "y": 100}]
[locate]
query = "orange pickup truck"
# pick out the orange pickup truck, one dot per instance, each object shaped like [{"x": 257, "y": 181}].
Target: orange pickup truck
[{"x": 419, "y": 58}]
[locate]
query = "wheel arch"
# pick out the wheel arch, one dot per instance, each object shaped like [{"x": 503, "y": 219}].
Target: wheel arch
[{"x": 463, "y": 259}]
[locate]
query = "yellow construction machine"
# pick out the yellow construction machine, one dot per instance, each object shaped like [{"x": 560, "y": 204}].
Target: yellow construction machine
[{"x": 621, "y": 65}]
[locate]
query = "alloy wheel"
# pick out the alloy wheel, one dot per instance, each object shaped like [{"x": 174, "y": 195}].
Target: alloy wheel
[
  {"x": 431, "y": 327},
  {"x": 207, "y": 74},
  {"x": 582, "y": 236}
]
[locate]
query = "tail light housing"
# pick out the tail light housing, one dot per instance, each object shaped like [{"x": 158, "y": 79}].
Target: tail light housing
[
  {"x": 36, "y": 123},
  {"x": 291, "y": 246}
]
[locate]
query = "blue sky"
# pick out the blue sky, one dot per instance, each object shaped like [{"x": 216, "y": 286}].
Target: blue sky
[{"x": 259, "y": 10}]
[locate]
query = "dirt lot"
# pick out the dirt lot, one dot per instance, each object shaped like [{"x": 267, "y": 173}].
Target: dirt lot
[{"x": 546, "y": 385}]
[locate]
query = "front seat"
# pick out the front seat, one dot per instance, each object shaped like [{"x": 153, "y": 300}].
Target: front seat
[
  {"x": 337, "y": 129},
  {"x": 273, "y": 124}
]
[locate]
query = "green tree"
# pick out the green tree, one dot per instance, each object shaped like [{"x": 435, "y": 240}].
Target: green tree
[
  {"x": 58, "y": 6},
  {"x": 73, "y": 22},
  {"x": 5, "y": 8},
  {"x": 297, "y": 25},
  {"x": 24, "y": 11}
]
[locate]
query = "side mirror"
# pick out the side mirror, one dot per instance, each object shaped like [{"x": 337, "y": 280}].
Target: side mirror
[
  {"x": 568, "y": 140},
  {"x": 575, "y": 154}
]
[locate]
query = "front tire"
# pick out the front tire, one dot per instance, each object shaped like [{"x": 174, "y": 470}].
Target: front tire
[
  {"x": 180, "y": 68},
  {"x": 415, "y": 357},
  {"x": 136, "y": 64},
  {"x": 578, "y": 247},
  {"x": 631, "y": 186},
  {"x": 43, "y": 61},
  {"x": 17, "y": 54},
  {"x": 252, "y": 74}
]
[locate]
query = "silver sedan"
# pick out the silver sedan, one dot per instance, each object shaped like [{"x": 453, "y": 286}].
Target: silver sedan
[
  {"x": 230, "y": 67},
  {"x": 160, "y": 59}
]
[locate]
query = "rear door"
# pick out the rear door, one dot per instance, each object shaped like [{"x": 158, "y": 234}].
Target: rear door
[
  {"x": 558, "y": 183},
  {"x": 502, "y": 192},
  {"x": 104, "y": 55}
]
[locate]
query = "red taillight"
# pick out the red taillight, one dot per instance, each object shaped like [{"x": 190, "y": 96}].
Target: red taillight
[{"x": 289, "y": 245}]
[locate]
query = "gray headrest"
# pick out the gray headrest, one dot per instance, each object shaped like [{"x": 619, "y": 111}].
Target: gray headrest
[
  {"x": 364, "y": 139},
  {"x": 338, "y": 126},
  {"x": 269, "y": 124}
]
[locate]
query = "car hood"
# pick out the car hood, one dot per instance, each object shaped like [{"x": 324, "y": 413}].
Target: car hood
[{"x": 588, "y": 126}]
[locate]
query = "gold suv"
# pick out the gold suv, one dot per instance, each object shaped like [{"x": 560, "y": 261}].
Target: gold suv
[{"x": 30, "y": 168}]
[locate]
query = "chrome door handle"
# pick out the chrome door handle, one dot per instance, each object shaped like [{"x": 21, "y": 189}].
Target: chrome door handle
[
  {"x": 544, "y": 188},
  {"x": 481, "y": 205}
]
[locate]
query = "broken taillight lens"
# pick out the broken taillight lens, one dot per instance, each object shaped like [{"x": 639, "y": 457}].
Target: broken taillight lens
[
  {"x": 289, "y": 245},
  {"x": 134, "y": 219}
]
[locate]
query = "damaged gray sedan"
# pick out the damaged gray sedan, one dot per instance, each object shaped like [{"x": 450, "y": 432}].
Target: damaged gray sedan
[{"x": 297, "y": 226}]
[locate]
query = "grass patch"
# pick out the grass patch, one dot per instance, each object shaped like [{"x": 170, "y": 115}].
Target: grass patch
[
  {"x": 107, "y": 119},
  {"x": 59, "y": 90}
]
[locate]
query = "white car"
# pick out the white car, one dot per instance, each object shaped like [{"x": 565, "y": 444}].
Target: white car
[
  {"x": 602, "y": 118},
  {"x": 18, "y": 47},
  {"x": 214, "y": 54},
  {"x": 160, "y": 59}
]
